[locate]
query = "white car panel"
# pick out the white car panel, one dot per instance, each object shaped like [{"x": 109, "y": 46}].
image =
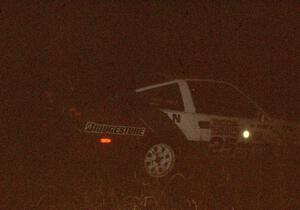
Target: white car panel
[{"x": 206, "y": 127}]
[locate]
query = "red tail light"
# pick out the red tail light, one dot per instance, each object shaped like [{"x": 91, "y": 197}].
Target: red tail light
[{"x": 73, "y": 111}]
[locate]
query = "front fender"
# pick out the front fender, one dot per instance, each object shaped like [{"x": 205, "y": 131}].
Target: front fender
[{"x": 161, "y": 125}]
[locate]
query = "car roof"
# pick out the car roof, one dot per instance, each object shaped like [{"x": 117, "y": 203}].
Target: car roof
[{"x": 184, "y": 80}]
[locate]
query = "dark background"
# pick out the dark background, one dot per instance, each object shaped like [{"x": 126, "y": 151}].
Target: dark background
[{"x": 110, "y": 46}]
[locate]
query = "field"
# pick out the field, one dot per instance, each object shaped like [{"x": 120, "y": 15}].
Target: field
[{"x": 252, "y": 182}]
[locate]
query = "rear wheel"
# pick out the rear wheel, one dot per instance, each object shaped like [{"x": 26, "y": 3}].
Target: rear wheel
[{"x": 159, "y": 160}]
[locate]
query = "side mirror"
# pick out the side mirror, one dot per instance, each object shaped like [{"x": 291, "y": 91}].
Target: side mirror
[
  {"x": 261, "y": 116},
  {"x": 264, "y": 117}
]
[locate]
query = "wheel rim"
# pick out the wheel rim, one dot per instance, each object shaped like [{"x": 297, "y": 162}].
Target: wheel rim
[{"x": 159, "y": 160}]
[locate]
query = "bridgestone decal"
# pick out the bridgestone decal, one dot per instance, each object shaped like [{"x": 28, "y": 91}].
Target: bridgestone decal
[{"x": 91, "y": 127}]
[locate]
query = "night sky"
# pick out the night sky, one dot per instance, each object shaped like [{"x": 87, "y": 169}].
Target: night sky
[{"x": 117, "y": 45}]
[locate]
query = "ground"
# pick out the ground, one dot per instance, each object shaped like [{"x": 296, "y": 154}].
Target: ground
[{"x": 266, "y": 182}]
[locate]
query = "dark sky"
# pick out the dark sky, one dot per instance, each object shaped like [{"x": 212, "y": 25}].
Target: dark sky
[{"x": 256, "y": 46}]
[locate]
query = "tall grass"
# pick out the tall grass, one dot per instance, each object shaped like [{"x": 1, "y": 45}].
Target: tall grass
[{"x": 256, "y": 182}]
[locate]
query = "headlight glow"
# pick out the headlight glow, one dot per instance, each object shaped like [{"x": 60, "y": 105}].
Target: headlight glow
[{"x": 246, "y": 134}]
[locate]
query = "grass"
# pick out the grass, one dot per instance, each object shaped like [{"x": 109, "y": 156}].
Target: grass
[{"x": 250, "y": 183}]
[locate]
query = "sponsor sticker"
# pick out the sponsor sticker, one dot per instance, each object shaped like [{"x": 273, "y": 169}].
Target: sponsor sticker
[
  {"x": 92, "y": 127},
  {"x": 225, "y": 127}
]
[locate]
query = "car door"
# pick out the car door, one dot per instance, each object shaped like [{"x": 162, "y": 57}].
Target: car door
[{"x": 224, "y": 115}]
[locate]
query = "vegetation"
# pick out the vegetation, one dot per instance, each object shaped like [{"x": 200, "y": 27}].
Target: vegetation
[{"x": 260, "y": 182}]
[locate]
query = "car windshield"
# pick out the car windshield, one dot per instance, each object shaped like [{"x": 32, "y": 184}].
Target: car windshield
[{"x": 221, "y": 99}]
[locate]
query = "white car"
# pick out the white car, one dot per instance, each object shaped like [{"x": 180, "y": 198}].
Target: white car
[
  {"x": 218, "y": 113},
  {"x": 160, "y": 125}
]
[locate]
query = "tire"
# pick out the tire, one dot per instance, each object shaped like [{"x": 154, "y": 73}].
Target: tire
[
  {"x": 159, "y": 160},
  {"x": 160, "y": 155}
]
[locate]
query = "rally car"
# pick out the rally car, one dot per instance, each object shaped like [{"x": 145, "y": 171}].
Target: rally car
[
  {"x": 158, "y": 126},
  {"x": 216, "y": 111}
]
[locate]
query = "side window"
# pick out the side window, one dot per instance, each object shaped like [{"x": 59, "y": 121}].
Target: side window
[
  {"x": 221, "y": 99},
  {"x": 165, "y": 97}
]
